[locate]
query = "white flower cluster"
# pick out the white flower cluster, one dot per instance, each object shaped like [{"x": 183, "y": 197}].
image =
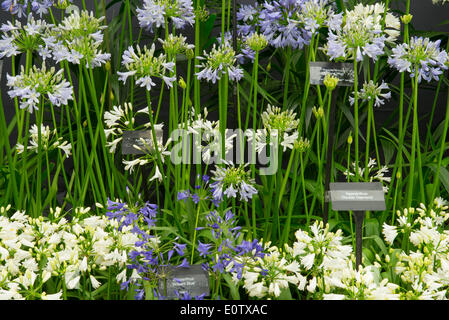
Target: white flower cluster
[
  {"x": 49, "y": 141},
  {"x": 267, "y": 277},
  {"x": 207, "y": 133},
  {"x": 280, "y": 126},
  {"x": 362, "y": 33},
  {"x": 319, "y": 266},
  {"x": 33, "y": 251},
  {"x": 373, "y": 174},
  {"x": 119, "y": 119},
  {"x": 424, "y": 270}
]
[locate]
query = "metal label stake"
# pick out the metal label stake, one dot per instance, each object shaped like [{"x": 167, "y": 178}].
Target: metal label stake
[
  {"x": 359, "y": 216},
  {"x": 357, "y": 197}
]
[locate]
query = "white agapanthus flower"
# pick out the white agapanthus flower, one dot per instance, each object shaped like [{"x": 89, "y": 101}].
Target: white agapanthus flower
[
  {"x": 49, "y": 141},
  {"x": 361, "y": 33},
  {"x": 280, "y": 127},
  {"x": 74, "y": 252},
  {"x": 374, "y": 174},
  {"x": 118, "y": 119},
  {"x": 154, "y": 13},
  {"x": 219, "y": 61},
  {"x": 206, "y": 136},
  {"x": 373, "y": 92}
]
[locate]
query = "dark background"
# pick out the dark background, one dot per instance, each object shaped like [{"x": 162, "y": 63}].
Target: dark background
[{"x": 426, "y": 17}]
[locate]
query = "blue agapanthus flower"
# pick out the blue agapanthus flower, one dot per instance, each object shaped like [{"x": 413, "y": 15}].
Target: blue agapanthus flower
[
  {"x": 248, "y": 19},
  {"x": 154, "y": 13},
  {"x": 40, "y": 7},
  {"x": 422, "y": 56},
  {"x": 280, "y": 23}
]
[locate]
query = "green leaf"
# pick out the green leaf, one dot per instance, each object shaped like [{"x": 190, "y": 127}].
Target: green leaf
[
  {"x": 285, "y": 294},
  {"x": 232, "y": 288},
  {"x": 443, "y": 176}
]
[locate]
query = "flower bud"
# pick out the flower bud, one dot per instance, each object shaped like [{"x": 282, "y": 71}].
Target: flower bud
[
  {"x": 406, "y": 18},
  {"x": 190, "y": 54},
  {"x": 182, "y": 83},
  {"x": 350, "y": 138},
  {"x": 330, "y": 81}
]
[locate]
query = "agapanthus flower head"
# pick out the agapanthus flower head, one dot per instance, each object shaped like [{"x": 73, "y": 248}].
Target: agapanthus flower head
[
  {"x": 280, "y": 23},
  {"x": 119, "y": 119},
  {"x": 361, "y": 33},
  {"x": 19, "y": 7},
  {"x": 77, "y": 39},
  {"x": 219, "y": 61},
  {"x": 49, "y": 141},
  {"x": 373, "y": 92},
  {"x": 330, "y": 81},
  {"x": 223, "y": 225},
  {"x": 177, "y": 45},
  {"x": 40, "y": 83},
  {"x": 16, "y": 7},
  {"x": 374, "y": 173},
  {"x": 280, "y": 127},
  {"x": 145, "y": 66},
  {"x": 256, "y": 41},
  {"x": 18, "y": 38},
  {"x": 231, "y": 181},
  {"x": 148, "y": 152},
  {"x": 248, "y": 19},
  {"x": 421, "y": 55},
  {"x": 155, "y": 13},
  {"x": 276, "y": 119},
  {"x": 318, "y": 13},
  {"x": 268, "y": 275},
  {"x": 302, "y": 144},
  {"x": 206, "y": 136}
]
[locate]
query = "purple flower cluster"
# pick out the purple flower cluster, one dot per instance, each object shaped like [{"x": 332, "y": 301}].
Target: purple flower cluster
[
  {"x": 248, "y": 19},
  {"x": 154, "y": 13},
  {"x": 422, "y": 56},
  {"x": 153, "y": 260},
  {"x": 279, "y": 22},
  {"x": 198, "y": 193},
  {"x": 19, "y": 7},
  {"x": 126, "y": 216},
  {"x": 226, "y": 244}
]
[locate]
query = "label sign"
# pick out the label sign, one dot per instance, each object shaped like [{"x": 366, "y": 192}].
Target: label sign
[
  {"x": 193, "y": 280},
  {"x": 357, "y": 196},
  {"x": 343, "y": 71},
  {"x": 134, "y": 138}
]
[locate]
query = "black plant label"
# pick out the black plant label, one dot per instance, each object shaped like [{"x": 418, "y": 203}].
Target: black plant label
[
  {"x": 139, "y": 141},
  {"x": 192, "y": 280},
  {"x": 341, "y": 70},
  {"x": 357, "y": 196}
]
